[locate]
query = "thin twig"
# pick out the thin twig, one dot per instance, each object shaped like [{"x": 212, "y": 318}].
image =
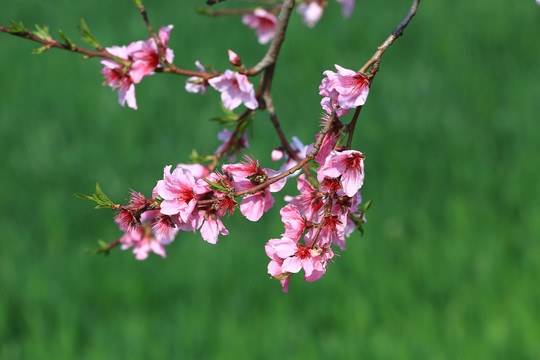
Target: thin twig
[
  {"x": 375, "y": 60},
  {"x": 351, "y": 126},
  {"x": 56, "y": 44}
]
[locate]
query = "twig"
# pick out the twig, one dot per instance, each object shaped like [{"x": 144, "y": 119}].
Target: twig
[
  {"x": 56, "y": 44},
  {"x": 351, "y": 126},
  {"x": 375, "y": 60}
]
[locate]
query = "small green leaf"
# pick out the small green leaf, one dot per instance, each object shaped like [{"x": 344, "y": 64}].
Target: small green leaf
[
  {"x": 196, "y": 158},
  {"x": 85, "y": 197},
  {"x": 17, "y": 27},
  {"x": 225, "y": 119},
  {"x": 283, "y": 276},
  {"x": 87, "y": 36},
  {"x": 137, "y": 2},
  {"x": 66, "y": 40},
  {"x": 40, "y": 50},
  {"x": 42, "y": 33},
  {"x": 101, "y": 198},
  {"x": 215, "y": 186},
  {"x": 366, "y": 206}
]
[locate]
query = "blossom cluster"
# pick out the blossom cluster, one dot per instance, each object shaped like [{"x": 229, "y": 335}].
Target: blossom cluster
[
  {"x": 133, "y": 63},
  {"x": 326, "y": 211}
]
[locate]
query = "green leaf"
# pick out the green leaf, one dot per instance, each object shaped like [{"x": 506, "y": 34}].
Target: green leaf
[
  {"x": 225, "y": 119},
  {"x": 98, "y": 197},
  {"x": 137, "y": 2},
  {"x": 102, "y": 199},
  {"x": 66, "y": 40},
  {"x": 366, "y": 206},
  {"x": 42, "y": 33},
  {"x": 215, "y": 186},
  {"x": 40, "y": 50},
  {"x": 85, "y": 197},
  {"x": 283, "y": 276},
  {"x": 87, "y": 36},
  {"x": 17, "y": 27}
]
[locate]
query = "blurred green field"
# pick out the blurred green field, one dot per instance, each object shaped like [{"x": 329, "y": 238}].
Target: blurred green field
[{"x": 449, "y": 266}]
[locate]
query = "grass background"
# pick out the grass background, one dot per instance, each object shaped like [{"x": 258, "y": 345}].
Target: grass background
[{"x": 449, "y": 267}]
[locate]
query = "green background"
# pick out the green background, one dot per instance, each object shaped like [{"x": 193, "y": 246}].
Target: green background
[{"x": 449, "y": 267}]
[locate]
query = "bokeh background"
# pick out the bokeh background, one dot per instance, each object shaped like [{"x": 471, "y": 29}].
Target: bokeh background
[{"x": 449, "y": 267}]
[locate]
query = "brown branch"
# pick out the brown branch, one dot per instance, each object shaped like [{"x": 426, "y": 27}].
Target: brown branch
[
  {"x": 351, "y": 126},
  {"x": 56, "y": 44},
  {"x": 375, "y": 60}
]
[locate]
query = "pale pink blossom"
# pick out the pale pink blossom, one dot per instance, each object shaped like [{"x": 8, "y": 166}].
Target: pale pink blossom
[
  {"x": 349, "y": 88},
  {"x": 235, "y": 89},
  {"x": 347, "y": 6},
  {"x": 145, "y": 55},
  {"x": 196, "y": 84},
  {"x": 349, "y": 165},
  {"x": 154, "y": 232},
  {"x": 176, "y": 190},
  {"x": 265, "y": 23},
  {"x": 142, "y": 244},
  {"x": 116, "y": 76},
  {"x": 311, "y": 12},
  {"x": 295, "y": 257}
]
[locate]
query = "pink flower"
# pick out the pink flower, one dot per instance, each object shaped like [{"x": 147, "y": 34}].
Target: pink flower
[
  {"x": 176, "y": 189},
  {"x": 349, "y": 165},
  {"x": 265, "y": 23},
  {"x": 349, "y": 88},
  {"x": 347, "y": 6},
  {"x": 196, "y": 84},
  {"x": 289, "y": 257},
  {"x": 155, "y": 232},
  {"x": 145, "y": 55},
  {"x": 311, "y": 12},
  {"x": 235, "y": 89},
  {"x": 117, "y": 77}
]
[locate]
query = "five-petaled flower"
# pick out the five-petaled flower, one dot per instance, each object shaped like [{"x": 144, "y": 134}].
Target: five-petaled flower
[
  {"x": 235, "y": 89},
  {"x": 348, "y": 87}
]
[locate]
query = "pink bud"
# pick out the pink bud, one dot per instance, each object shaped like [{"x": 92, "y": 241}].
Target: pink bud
[
  {"x": 277, "y": 154},
  {"x": 234, "y": 59}
]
